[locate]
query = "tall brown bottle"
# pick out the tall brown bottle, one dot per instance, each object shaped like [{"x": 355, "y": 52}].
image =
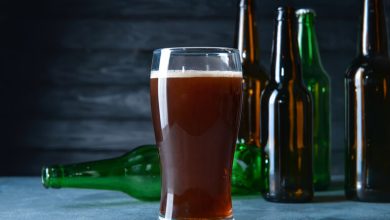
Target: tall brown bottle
[
  {"x": 367, "y": 84},
  {"x": 286, "y": 119},
  {"x": 254, "y": 80},
  {"x": 255, "y": 77}
]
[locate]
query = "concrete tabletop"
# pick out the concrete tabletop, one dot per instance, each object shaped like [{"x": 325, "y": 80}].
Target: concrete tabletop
[{"x": 25, "y": 198}]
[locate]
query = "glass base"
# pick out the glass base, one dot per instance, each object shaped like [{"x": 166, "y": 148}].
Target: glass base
[{"x": 226, "y": 218}]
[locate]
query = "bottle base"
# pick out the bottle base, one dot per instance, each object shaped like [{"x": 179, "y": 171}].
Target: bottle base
[
  {"x": 289, "y": 197},
  {"x": 321, "y": 186},
  {"x": 322, "y": 182},
  {"x": 368, "y": 195}
]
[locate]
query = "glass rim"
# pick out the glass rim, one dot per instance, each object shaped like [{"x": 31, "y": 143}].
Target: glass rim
[{"x": 196, "y": 50}]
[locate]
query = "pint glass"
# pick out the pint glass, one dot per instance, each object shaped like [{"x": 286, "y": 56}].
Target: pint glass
[{"x": 196, "y": 96}]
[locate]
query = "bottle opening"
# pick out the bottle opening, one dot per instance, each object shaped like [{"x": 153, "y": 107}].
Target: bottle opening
[
  {"x": 50, "y": 176},
  {"x": 305, "y": 15},
  {"x": 305, "y": 11},
  {"x": 45, "y": 177},
  {"x": 285, "y": 13}
]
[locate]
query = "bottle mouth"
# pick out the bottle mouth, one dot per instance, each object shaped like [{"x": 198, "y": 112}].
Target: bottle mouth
[
  {"x": 243, "y": 3},
  {"x": 49, "y": 177},
  {"x": 305, "y": 11},
  {"x": 45, "y": 176},
  {"x": 285, "y": 13},
  {"x": 305, "y": 15}
]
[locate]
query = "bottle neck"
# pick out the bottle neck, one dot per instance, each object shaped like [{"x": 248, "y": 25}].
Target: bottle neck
[
  {"x": 374, "y": 31},
  {"x": 246, "y": 34},
  {"x": 285, "y": 64},
  {"x": 79, "y": 175},
  {"x": 307, "y": 40}
]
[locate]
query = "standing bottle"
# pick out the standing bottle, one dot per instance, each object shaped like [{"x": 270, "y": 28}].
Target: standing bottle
[
  {"x": 254, "y": 82},
  {"x": 317, "y": 82},
  {"x": 286, "y": 119},
  {"x": 367, "y": 84}
]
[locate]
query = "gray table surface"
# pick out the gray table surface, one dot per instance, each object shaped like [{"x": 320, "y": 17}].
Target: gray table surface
[{"x": 25, "y": 198}]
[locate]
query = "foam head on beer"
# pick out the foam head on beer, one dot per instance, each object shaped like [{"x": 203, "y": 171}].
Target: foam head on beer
[{"x": 193, "y": 74}]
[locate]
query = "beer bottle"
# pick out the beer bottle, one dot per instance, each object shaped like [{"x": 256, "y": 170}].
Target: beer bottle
[
  {"x": 317, "y": 82},
  {"x": 246, "y": 170},
  {"x": 286, "y": 119},
  {"x": 254, "y": 81},
  {"x": 367, "y": 84},
  {"x": 137, "y": 173}
]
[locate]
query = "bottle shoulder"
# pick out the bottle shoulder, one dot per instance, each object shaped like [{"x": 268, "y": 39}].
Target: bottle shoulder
[
  {"x": 254, "y": 71},
  {"x": 315, "y": 72},
  {"x": 369, "y": 67},
  {"x": 323, "y": 80},
  {"x": 283, "y": 92}
]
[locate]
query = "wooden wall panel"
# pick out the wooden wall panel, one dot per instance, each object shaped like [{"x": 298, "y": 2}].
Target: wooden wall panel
[
  {"x": 86, "y": 134},
  {"x": 149, "y": 35},
  {"x": 96, "y": 102},
  {"x": 101, "y": 67},
  {"x": 172, "y": 9}
]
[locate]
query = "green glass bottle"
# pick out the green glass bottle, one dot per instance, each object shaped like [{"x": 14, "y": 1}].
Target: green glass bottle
[
  {"x": 318, "y": 83},
  {"x": 246, "y": 171},
  {"x": 254, "y": 82},
  {"x": 137, "y": 173}
]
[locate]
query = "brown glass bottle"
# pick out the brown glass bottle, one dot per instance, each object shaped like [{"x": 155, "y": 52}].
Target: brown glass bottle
[
  {"x": 286, "y": 119},
  {"x": 254, "y": 75},
  {"x": 254, "y": 81},
  {"x": 367, "y": 84}
]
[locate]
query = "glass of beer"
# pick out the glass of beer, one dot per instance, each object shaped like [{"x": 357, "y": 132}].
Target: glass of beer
[{"x": 196, "y": 96}]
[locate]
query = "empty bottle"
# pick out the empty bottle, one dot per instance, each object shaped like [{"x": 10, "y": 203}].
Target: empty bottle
[
  {"x": 286, "y": 119},
  {"x": 246, "y": 171},
  {"x": 254, "y": 81},
  {"x": 254, "y": 75},
  {"x": 367, "y": 84},
  {"x": 317, "y": 82},
  {"x": 137, "y": 173}
]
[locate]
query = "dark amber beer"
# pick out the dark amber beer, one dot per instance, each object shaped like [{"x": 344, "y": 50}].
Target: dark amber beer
[
  {"x": 367, "y": 84},
  {"x": 286, "y": 120},
  {"x": 196, "y": 118}
]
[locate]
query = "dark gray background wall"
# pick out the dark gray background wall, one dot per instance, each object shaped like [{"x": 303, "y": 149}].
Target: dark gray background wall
[{"x": 75, "y": 73}]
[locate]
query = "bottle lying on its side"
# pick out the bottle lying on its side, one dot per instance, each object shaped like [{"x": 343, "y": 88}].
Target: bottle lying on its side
[{"x": 137, "y": 173}]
